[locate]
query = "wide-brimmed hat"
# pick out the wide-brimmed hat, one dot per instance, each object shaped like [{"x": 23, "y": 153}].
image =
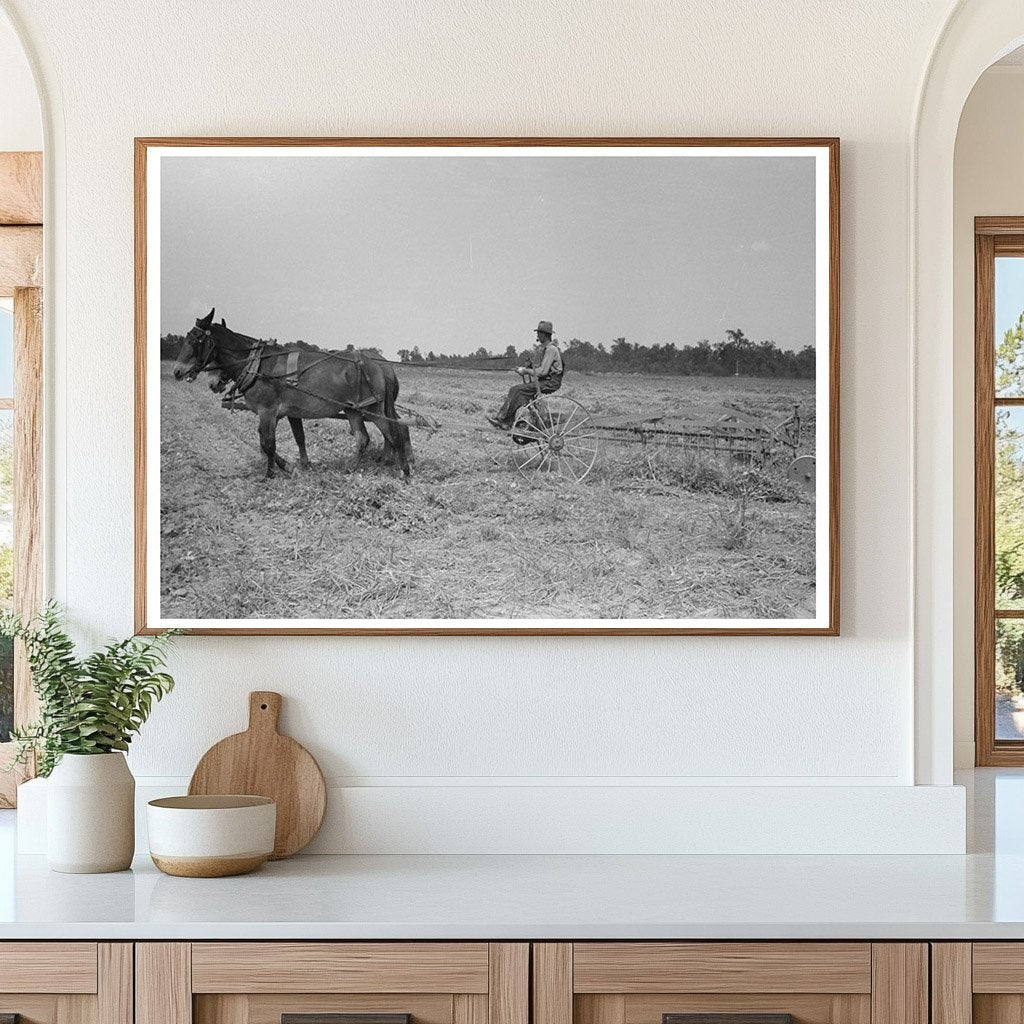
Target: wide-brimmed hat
[{"x": 544, "y": 327}]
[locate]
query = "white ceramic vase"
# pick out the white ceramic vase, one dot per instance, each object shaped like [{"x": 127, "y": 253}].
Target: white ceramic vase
[{"x": 90, "y": 814}]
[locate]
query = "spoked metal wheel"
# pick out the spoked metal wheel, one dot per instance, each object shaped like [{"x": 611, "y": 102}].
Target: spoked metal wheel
[{"x": 554, "y": 434}]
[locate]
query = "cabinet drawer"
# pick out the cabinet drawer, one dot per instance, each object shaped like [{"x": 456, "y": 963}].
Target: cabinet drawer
[
  {"x": 634, "y": 967},
  {"x": 65, "y": 967},
  {"x": 730, "y": 983},
  {"x": 340, "y": 967},
  {"x": 998, "y": 967},
  {"x": 332, "y": 983}
]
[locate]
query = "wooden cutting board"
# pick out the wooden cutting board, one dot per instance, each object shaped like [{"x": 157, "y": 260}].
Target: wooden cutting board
[{"x": 262, "y": 762}]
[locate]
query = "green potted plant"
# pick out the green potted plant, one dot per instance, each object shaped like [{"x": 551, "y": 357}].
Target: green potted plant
[{"x": 90, "y": 708}]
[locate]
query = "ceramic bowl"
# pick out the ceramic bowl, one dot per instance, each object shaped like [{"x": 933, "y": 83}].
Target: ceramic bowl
[{"x": 211, "y": 836}]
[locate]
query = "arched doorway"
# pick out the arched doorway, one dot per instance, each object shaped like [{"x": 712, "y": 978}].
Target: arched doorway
[{"x": 976, "y": 34}]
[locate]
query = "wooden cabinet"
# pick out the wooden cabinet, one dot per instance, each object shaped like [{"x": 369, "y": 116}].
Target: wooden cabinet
[
  {"x": 978, "y": 983},
  {"x": 306, "y": 982},
  {"x": 754, "y": 982},
  {"x": 494, "y": 983},
  {"x": 66, "y": 982}
]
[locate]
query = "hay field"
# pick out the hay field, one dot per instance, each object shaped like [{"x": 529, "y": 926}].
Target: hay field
[{"x": 651, "y": 533}]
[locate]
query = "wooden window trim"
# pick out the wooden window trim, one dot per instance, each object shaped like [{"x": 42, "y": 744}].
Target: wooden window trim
[
  {"x": 21, "y": 273},
  {"x": 993, "y": 237}
]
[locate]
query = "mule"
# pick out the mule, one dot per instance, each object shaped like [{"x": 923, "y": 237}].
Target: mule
[{"x": 298, "y": 383}]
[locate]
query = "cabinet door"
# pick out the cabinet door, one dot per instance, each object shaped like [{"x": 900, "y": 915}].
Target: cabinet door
[
  {"x": 332, "y": 983},
  {"x": 980, "y": 982},
  {"x": 730, "y": 983},
  {"x": 65, "y": 983}
]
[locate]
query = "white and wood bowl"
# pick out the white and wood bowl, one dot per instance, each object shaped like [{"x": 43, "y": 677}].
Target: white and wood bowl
[{"x": 211, "y": 836}]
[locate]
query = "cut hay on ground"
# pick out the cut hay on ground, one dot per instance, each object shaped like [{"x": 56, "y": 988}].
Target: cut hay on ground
[{"x": 652, "y": 533}]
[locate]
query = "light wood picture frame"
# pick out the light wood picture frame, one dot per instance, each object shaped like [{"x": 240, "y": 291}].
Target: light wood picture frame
[{"x": 642, "y": 498}]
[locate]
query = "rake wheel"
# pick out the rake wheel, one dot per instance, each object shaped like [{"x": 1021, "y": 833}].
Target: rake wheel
[{"x": 554, "y": 434}]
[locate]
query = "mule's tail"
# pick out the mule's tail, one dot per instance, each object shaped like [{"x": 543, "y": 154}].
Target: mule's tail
[
  {"x": 403, "y": 442},
  {"x": 399, "y": 432}
]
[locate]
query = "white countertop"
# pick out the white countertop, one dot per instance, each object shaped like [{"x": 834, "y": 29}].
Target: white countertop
[
  {"x": 496, "y": 897},
  {"x": 977, "y": 896}
]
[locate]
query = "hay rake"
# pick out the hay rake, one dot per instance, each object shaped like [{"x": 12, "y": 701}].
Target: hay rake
[{"x": 555, "y": 435}]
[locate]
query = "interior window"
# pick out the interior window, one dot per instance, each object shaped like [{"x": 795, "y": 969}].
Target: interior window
[{"x": 999, "y": 491}]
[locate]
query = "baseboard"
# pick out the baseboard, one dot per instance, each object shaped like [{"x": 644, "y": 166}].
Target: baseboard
[{"x": 525, "y": 819}]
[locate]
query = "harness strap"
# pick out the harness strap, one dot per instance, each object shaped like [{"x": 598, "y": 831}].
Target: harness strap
[
  {"x": 291, "y": 377},
  {"x": 251, "y": 370},
  {"x": 245, "y": 380}
]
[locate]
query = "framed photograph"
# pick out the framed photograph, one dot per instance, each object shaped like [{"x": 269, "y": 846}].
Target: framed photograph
[{"x": 498, "y": 386}]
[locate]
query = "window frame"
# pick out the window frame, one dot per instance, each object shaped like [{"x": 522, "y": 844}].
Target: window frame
[{"x": 993, "y": 237}]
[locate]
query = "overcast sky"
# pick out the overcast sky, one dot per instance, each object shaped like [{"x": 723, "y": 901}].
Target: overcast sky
[{"x": 451, "y": 253}]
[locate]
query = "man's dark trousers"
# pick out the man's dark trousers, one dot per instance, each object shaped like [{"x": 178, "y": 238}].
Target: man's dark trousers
[{"x": 522, "y": 394}]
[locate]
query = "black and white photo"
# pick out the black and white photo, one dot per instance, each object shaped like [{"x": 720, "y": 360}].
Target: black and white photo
[{"x": 494, "y": 386}]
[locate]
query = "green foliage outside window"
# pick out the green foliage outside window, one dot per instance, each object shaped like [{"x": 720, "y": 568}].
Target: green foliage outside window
[
  {"x": 1009, "y": 656},
  {"x": 1009, "y": 509},
  {"x": 1010, "y": 361}
]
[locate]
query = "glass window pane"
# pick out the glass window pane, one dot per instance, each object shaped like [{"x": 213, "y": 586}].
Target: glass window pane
[
  {"x": 6, "y": 567},
  {"x": 1009, "y": 326},
  {"x": 1009, "y": 679},
  {"x": 6, "y": 352},
  {"x": 1009, "y": 511}
]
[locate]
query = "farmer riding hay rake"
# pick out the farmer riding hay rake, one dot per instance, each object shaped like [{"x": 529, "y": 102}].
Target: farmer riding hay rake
[
  {"x": 556, "y": 434},
  {"x": 551, "y": 436}
]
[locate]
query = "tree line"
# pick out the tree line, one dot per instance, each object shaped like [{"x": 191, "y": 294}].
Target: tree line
[{"x": 735, "y": 355}]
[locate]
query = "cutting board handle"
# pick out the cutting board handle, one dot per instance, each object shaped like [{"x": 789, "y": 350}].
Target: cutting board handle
[{"x": 264, "y": 710}]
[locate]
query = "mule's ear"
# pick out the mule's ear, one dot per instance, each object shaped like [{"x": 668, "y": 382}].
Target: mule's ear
[
  {"x": 223, "y": 322},
  {"x": 206, "y": 320}
]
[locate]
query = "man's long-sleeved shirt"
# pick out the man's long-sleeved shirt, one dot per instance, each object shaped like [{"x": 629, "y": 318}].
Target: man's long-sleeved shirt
[{"x": 551, "y": 362}]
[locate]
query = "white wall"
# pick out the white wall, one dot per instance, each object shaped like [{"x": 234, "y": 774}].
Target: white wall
[
  {"x": 447, "y": 714},
  {"x": 987, "y": 181},
  {"x": 21, "y": 127}
]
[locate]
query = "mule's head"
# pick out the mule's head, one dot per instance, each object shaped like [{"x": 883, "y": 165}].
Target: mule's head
[{"x": 196, "y": 350}]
